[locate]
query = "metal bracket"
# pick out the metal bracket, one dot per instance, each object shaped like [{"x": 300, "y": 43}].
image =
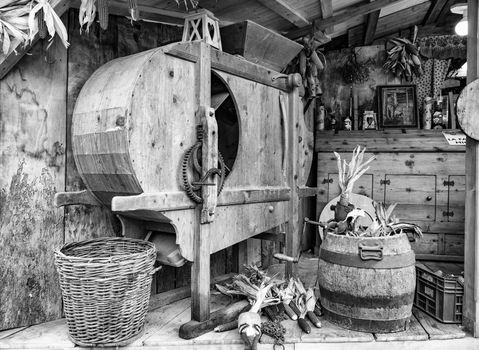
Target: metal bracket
[
  {"x": 448, "y": 183},
  {"x": 327, "y": 181},
  {"x": 209, "y": 161},
  {"x": 448, "y": 213},
  {"x": 385, "y": 182}
]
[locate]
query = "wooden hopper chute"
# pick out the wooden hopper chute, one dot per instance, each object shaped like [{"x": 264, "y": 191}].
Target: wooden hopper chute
[{"x": 137, "y": 117}]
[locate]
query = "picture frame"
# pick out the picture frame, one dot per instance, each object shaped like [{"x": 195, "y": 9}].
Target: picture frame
[{"x": 397, "y": 106}]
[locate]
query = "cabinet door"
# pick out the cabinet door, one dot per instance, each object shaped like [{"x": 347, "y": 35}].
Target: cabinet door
[
  {"x": 363, "y": 186},
  {"x": 415, "y": 195},
  {"x": 457, "y": 198}
]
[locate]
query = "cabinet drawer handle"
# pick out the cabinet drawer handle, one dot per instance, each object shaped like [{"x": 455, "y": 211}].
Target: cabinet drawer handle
[
  {"x": 327, "y": 181},
  {"x": 428, "y": 198}
]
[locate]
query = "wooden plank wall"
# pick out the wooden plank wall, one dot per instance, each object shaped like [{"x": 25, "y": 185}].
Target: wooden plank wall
[
  {"x": 37, "y": 101},
  {"x": 32, "y": 159},
  {"x": 336, "y": 91}
]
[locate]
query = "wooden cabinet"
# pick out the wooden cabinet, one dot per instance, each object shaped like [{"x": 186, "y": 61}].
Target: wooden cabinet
[{"x": 417, "y": 169}]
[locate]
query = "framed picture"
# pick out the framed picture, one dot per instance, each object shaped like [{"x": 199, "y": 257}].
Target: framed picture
[{"x": 397, "y": 106}]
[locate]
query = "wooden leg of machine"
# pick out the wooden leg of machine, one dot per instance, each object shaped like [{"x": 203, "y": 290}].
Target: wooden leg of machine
[
  {"x": 200, "y": 276},
  {"x": 292, "y": 242}
]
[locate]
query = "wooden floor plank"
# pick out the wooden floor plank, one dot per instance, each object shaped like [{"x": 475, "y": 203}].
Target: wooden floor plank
[
  {"x": 8, "y": 332},
  {"x": 292, "y": 335},
  {"x": 436, "y": 329},
  {"x": 414, "y": 332},
  {"x": 157, "y": 319},
  {"x": 331, "y": 333},
  {"x": 168, "y": 334},
  {"x": 46, "y": 335},
  {"x": 467, "y": 343}
]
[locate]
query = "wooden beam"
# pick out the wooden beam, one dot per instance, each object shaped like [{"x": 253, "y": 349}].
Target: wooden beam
[
  {"x": 17, "y": 49},
  {"x": 326, "y": 12},
  {"x": 434, "y": 11},
  {"x": 371, "y": 26},
  {"x": 169, "y": 297},
  {"x": 149, "y": 13},
  {"x": 285, "y": 10},
  {"x": 471, "y": 227},
  {"x": 356, "y": 10},
  {"x": 390, "y": 24},
  {"x": 446, "y": 13}
]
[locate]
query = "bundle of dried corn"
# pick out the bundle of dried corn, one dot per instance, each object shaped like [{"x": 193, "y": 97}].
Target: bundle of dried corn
[{"x": 22, "y": 20}]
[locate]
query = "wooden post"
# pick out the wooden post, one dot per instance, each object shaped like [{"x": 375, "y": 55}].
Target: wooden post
[
  {"x": 471, "y": 226},
  {"x": 200, "y": 270},
  {"x": 292, "y": 231}
]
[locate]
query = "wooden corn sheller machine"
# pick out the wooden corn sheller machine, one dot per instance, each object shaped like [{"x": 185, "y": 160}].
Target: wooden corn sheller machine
[{"x": 196, "y": 149}]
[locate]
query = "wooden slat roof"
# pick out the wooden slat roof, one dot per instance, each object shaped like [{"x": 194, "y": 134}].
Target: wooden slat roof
[{"x": 273, "y": 14}]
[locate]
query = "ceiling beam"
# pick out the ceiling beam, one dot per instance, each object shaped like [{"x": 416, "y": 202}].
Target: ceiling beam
[
  {"x": 356, "y": 10},
  {"x": 285, "y": 10},
  {"x": 18, "y": 49},
  {"x": 390, "y": 25},
  {"x": 371, "y": 26},
  {"x": 326, "y": 12},
  {"x": 149, "y": 13},
  {"x": 434, "y": 11}
]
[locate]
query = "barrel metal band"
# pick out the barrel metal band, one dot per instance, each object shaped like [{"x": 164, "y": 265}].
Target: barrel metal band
[
  {"x": 354, "y": 260},
  {"x": 364, "y": 325},
  {"x": 349, "y": 299}
]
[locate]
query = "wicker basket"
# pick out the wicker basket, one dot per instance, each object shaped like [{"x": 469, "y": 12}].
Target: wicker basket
[{"x": 105, "y": 286}]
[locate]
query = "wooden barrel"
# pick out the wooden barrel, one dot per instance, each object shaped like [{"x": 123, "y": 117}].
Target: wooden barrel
[{"x": 367, "y": 284}]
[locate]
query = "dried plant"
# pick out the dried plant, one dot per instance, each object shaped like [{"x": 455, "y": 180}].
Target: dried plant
[
  {"x": 51, "y": 20},
  {"x": 256, "y": 287},
  {"x": 20, "y": 21},
  {"x": 350, "y": 172},
  {"x": 354, "y": 71},
  {"x": 386, "y": 224}
]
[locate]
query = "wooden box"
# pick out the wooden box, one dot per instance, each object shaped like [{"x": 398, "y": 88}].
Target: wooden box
[{"x": 259, "y": 45}]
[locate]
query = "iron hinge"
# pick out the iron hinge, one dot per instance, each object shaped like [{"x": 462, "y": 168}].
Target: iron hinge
[
  {"x": 448, "y": 183},
  {"x": 385, "y": 182},
  {"x": 448, "y": 213},
  {"x": 327, "y": 181}
]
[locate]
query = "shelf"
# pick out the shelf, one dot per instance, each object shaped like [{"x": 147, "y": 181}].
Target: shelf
[{"x": 391, "y": 140}]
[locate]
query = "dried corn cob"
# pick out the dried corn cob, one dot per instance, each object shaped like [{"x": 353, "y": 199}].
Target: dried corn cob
[
  {"x": 134, "y": 10},
  {"x": 42, "y": 27},
  {"x": 102, "y": 6}
]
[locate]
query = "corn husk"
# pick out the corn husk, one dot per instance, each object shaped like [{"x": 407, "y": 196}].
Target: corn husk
[
  {"x": 19, "y": 22},
  {"x": 87, "y": 14},
  {"x": 52, "y": 21},
  {"x": 259, "y": 292},
  {"x": 13, "y": 23}
]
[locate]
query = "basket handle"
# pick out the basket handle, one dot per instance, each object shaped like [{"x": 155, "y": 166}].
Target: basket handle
[{"x": 155, "y": 270}]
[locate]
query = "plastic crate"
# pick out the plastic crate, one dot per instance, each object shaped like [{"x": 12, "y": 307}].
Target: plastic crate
[{"x": 440, "y": 297}]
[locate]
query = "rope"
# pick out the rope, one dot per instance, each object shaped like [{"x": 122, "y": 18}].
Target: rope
[{"x": 276, "y": 331}]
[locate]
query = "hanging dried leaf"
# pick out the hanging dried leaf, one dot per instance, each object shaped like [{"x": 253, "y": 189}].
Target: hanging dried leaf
[
  {"x": 51, "y": 20},
  {"x": 87, "y": 14}
]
